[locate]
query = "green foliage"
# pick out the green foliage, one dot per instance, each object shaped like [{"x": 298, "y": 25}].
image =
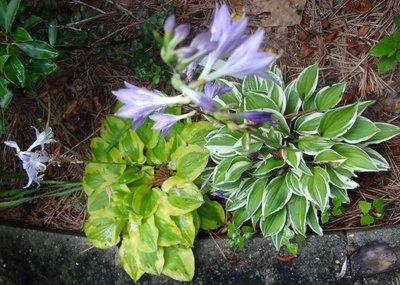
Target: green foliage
[
  {"x": 23, "y": 58},
  {"x": 237, "y": 237},
  {"x": 388, "y": 50},
  {"x": 284, "y": 177},
  {"x": 370, "y": 212},
  {"x": 142, "y": 196}
]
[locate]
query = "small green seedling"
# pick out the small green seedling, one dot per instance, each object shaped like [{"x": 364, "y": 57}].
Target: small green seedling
[
  {"x": 370, "y": 212},
  {"x": 239, "y": 236}
]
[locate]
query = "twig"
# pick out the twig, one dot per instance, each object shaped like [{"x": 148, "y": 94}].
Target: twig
[{"x": 71, "y": 25}]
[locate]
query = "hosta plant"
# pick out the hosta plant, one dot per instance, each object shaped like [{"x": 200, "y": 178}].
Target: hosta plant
[
  {"x": 143, "y": 195},
  {"x": 281, "y": 175}
]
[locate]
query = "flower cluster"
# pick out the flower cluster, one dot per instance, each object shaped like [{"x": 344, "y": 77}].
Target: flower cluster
[
  {"x": 34, "y": 162},
  {"x": 224, "y": 50}
]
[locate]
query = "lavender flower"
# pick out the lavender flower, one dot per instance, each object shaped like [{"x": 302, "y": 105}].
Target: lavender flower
[
  {"x": 211, "y": 89},
  {"x": 245, "y": 60},
  {"x": 198, "y": 98},
  {"x": 165, "y": 121},
  {"x": 139, "y": 103},
  {"x": 257, "y": 117},
  {"x": 42, "y": 138}
]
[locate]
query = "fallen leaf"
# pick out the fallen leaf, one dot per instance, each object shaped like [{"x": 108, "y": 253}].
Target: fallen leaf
[
  {"x": 376, "y": 36},
  {"x": 305, "y": 21},
  {"x": 305, "y": 50},
  {"x": 330, "y": 36},
  {"x": 302, "y": 36},
  {"x": 285, "y": 258},
  {"x": 363, "y": 7},
  {"x": 362, "y": 31},
  {"x": 348, "y": 7},
  {"x": 273, "y": 13}
]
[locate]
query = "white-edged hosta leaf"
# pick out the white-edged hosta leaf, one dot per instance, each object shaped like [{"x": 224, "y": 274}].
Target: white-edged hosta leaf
[
  {"x": 298, "y": 208},
  {"x": 256, "y": 217},
  {"x": 238, "y": 165},
  {"x": 313, "y": 220},
  {"x": 267, "y": 165},
  {"x": 238, "y": 196},
  {"x": 307, "y": 82},
  {"x": 303, "y": 168},
  {"x": 308, "y": 124},
  {"x": 220, "y": 170},
  {"x": 378, "y": 159},
  {"x": 362, "y": 130},
  {"x": 178, "y": 263},
  {"x": 255, "y": 196},
  {"x": 386, "y": 132},
  {"x": 293, "y": 183},
  {"x": 292, "y": 156},
  {"x": 252, "y": 83},
  {"x": 275, "y": 196},
  {"x": 329, "y": 156},
  {"x": 340, "y": 193},
  {"x": 232, "y": 98},
  {"x": 280, "y": 120},
  {"x": 259, "y": 100},
  {"x": 335, "y": 123},
  {"x": 278, "y": 96},
  {"x": 316, "y": 187},
  {"x": 340, "y": 180},
  {"x": 309, "y": 104},
  {"x": 293, "y": 102},
  {"x": 220, "y": 143},
  {"x": 312, "y": 145},
  {"x": 274, "y": 223},
  {"x": 357, "y": 159},
  {"x": 361, "y": 106},
  {"x": 329, "y": 96},
  {"x": 240, "y": 216}
]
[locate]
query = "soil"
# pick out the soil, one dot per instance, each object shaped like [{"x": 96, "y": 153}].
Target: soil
[{"x": 74, "y": 100}]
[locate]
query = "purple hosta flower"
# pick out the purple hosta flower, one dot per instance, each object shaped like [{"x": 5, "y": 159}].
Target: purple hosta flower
[
  {"x": 245, "y": 60},
  {"x": 229, "y": 34},
  {"x": 257, "y": 117},
  {"x": 169, "y": 25},
  {"x": 42, "y": 138},
  {"x": 140, "y": 102},
  {"x": 198, "y": 98},
  {"x": 165, "y": 121},
  {"x": 212, "y": 89}
]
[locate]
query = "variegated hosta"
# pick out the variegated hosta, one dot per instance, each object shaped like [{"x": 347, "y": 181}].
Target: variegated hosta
[
  {"x": 143, "y": 197},
  {"x": 285, "y": 175}
]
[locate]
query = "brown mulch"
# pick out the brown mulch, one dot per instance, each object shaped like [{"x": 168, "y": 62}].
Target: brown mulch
[{"x": 336, "y": 34}]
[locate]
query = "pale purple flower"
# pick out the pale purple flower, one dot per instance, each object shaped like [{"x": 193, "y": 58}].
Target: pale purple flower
[
  {"x": 42, "y": 138},
  {"x": 245, "y": 60},
  {"x": 180, "y": 33},
  {"x": 165, "y": 121},
  {"x": 140, "y": 102},
  {"x": 212, "y": 89},
  {"x": 199, "y": 98},
  {"x": 257, "y": 117},
  {"x": 169, "y": 24}
]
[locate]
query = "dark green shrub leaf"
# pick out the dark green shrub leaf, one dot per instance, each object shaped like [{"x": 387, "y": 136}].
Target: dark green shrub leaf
[
  {"x": 38, "y": 49},
  {"x": 14, "y": 71},
  {"x": 53, "y": 31},
  {"x": 5, "y": 94},
  {"x": 31, "y": 22},
  {"x": 212, "y": 215},
  {"x": 21, "y": 35},
  {"x": 386, "y": 45},
  {"x": 10, "y": 13},
  {"x": 42, "y": 66}
]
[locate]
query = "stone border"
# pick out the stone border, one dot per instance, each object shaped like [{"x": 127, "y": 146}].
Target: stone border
[{"x": 32, "y": 256}]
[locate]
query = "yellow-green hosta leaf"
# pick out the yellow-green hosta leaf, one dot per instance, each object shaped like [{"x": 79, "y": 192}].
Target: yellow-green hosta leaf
[
  {"x": 169, "y": 232},
  {"x": 145, "y": 200},
  {"x": 93, "y": 179},
  {"x": 276, "y": 195},
  {"x": 128, "y": 257},
  {"x": 131, "y": 147},
  {"x": 274, "y": 223},
  {"x": 212, "y": 215},
  {"x": 104, "y": 231},
  {"x": 298, "y": 208},
  {"x": 113, "y": 128},
  {"x": 357, "y": 159},
  {"x": 195, "y": 133},
  {"x": 151, "y": 262},
  {"x": 186, "y": 224},
  {"x": 183, "y": 197},
  {"x": 179, "y": 263},
  {"x": 99, "y": 199},
  {"x": 102, "y": 151},
  {"x": 362, "y": 130},
  {"x": 160, "y": 153},
  {"x": 145, "y": 234},
  {"x": 335, "y": 123},
  {"x": 329, "y": 96},
  {"x": 190, "y": 161},
  {"x": 147, "y": 135},
  {"x": 307, "y": 82}
]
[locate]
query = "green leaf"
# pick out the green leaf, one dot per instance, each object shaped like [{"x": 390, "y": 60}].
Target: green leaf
[
  {"x": 5, "y": 94},
  {"x": 3, "y": 60},
  {"x": 378, "y": 159},
  {"x": 267, "y": 165},
  {"x": 151, "y": 262},
  {"x": 362, "y": 130},
  {"x": 379, "y": 204},
  {"x": 14, "y": 71},
  {"x": 278, "y": 96},
  {"x": 366, "y": 220},
  {"x": 190, "y": 161},
  {"x": 212, "y": 215},
  {"x": 42, "y": 66},
  {"x": 179, "y": 263},
  {"x": 357, "y": 159},
  {"x": 298, "y": 208},
  {"x": 337, "y": 211},
  {"x": 329, "y": 96},
  {"x": 396, "y": 20},
  {"x": 31, "y": 22},
  {"x": 38, "y": 49},
  {"x": 183, "y": 196},
  {"x": 131, "y": 147},
  {"x": 276, "y": 195},
  {"x": 255, "y": 196},
  {"x": 386, "y": 45},
  {"x": 387, "y": 131},
  {"x": 325, "y": 217},
  {"x": 10, "y": 13},
  {"x": 329, "y": 156},
  {"x": 386, "y": 63},
  {"x": 103, "y": 231},
  {"x": 293, "y": 102},
  {"x": 364, "y": 206},
  {"x": 169, "y": 232},
  {"x": 274, "y": 223},
  {"x": 237, "y": 166},
  {"x": 306, "y": 82},
  {"x": 53, "y": 31},
  {"x": 312, "y": 145},
  {"x": 186, "y": 224},
  {"x": 308, "y": 124},
  {"x": 292, "y": 156},
  {"x": 128, "y": 258},
  {"x": 21, "y": 35},
  {"x": 195, "y": 133},
  {"x": 145, "y": 200},
  {"x": 316, "y": 187},
  {"x": 258, "y": 100},
  {"x": 337, "y": 122},
  {"x": 240, "y": 216},
  {"x": 312, "y": 220}
]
